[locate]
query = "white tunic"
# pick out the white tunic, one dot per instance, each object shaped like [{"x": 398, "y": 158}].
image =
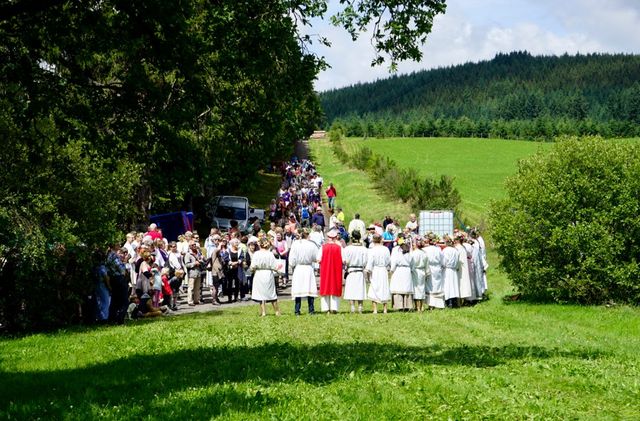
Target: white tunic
[
  {"x": 420, "y": 270},
  {"x": 485, "y": 264},
  {"x": 451, "y": 262},
  {"x": 302, "y": 256},
  {"x": 263, "y": 266},
  {"x": 402, "y": 279},
  {"x": 355, "y": 258},
  {"x": 435, "y": 288},
  {"x": 472, "y": 272},
  {"x": 477, "y": 283},
  {"x": 463, "y": 272},
  {"x": 378, "y": 264}
]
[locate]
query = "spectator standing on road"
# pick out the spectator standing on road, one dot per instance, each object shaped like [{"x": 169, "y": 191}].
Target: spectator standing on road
[
  {"x": 193, "y": 262},
  {"x": 318, "y": 219}
]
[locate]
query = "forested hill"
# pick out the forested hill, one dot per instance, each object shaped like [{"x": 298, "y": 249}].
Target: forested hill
[{"x": 513, "y": 95}]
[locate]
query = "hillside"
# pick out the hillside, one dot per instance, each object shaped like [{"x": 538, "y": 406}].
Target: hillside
[{"x": 513, "y": 95}]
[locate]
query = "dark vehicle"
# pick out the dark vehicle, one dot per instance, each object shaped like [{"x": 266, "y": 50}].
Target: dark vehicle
[
  {"x": 173, "y": 224},
  {"x": 224, "y": 209}
]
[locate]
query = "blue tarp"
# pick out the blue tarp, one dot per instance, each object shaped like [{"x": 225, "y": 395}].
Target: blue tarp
[{"x": 173, "y": 224}]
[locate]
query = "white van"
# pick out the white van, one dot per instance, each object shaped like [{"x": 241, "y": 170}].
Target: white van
[{"x": 224, "y": 209}]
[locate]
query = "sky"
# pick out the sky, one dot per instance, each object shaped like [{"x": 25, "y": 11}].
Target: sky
[{"x": 476, "y": 30}]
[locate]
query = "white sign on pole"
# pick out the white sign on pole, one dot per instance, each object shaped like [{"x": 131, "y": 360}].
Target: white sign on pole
[{"x": 436, "y": 221}]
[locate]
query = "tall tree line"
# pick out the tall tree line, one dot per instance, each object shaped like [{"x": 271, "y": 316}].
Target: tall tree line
[{"x": 513, "y": 95}]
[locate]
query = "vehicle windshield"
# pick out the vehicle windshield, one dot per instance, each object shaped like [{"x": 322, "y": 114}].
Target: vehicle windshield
[{"x": 232, "y": 209}]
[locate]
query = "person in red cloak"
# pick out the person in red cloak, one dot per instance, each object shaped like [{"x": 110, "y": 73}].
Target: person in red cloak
[{"x": 330, "y": 258}]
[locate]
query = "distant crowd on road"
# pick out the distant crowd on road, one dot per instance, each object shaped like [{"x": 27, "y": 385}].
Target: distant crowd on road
[{"x": 382, "y": 262}]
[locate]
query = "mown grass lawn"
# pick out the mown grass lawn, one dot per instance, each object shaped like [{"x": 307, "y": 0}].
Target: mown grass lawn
[
  {"x": 478, "y": 166},
  {"x": 497, "y": 360},
  {"x": 491, "y": 361}
]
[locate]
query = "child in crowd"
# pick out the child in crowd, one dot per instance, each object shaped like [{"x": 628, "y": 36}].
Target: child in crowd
[
  {"x": 157, "y": 285},
  {"x": 175, "y": 282},
  {"x": 167, "y": 292}
]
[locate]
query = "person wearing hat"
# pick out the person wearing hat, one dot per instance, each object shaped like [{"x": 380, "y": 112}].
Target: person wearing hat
[
  {"x": 451, "y": 264},
  {"x": 401, "y": 285},
  {"x": 318, "y": 218},
  {"x": 302, "y": 257},
  {"x": 263, "y": 267},
  {"x": 478, "y": 281},
  {"x": 434, "y": 281},
  {"x": 463, "y": 268},
  {"x": 378, "y": 266},
  {"x": 330, "y": 259},
  {"x": 355, "y": 258},
  {"x": 419, "y": 274},
  {"x": 368, "y": 237}
]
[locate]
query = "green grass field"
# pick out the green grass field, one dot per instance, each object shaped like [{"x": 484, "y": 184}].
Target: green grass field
[
  {"x": 355, "y": 193},
  {"x": 479, "y": 166},
  {"x": 516, "y": 361},
  {"x": 497, "y": 360}
]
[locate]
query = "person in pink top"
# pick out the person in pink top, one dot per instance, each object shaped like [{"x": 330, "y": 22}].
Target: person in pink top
[{"x": 154, "y": 233}]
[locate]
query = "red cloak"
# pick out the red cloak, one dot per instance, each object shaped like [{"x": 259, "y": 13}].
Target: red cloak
[{"x": 331, "y": 270}]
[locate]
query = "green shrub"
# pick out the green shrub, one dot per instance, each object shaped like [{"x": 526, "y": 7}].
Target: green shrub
[
  {"x": 569, "y": 228},
  {"x": 361, "y": 159}
]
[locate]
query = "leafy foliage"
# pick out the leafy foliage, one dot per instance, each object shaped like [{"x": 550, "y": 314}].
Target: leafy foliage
[
  {"x": 514, "y": 96},
  {"x": 569, "y": 229}
]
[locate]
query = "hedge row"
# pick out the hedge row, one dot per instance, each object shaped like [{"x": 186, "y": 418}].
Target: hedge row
[{"x": 396, "y": 182}]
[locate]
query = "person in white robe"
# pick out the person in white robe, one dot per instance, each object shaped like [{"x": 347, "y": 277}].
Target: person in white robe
[
  {"x": 451, "y": 283},
  {"x": 463, "y": 268},
  {"x": 435, "y": 288},
  {"x": 357, "y": 224},
  {"x": 302, "y": 256},
  {"x": 378, "y": 265},
  {"x": 419, "y": 274},
  {"x": 355, "y": 258},
  {"x": 263, "y": 267},
  {"x": 471, "y": 266},
  {"x": 477, "y": 282},
  {"x": 483, "y": 257},
  {"x": 401, "y": 285}
]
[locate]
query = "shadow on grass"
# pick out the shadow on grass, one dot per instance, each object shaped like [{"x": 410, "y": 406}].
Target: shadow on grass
[{"x": 153, "y": 382}]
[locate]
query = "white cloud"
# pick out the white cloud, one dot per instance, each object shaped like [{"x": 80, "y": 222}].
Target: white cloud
[{"x": 473, "y": 31}]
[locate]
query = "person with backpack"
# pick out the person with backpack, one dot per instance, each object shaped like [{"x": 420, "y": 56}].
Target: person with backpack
[{"x": 305, "y": 215}]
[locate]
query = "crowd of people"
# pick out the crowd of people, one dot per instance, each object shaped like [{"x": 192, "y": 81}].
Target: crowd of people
[{"x": 383, "y": 263}]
